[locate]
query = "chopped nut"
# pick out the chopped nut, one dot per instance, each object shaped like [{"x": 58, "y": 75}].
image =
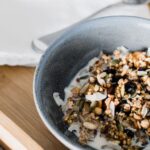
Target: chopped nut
[
  {"x": 98, "y": 111},
  {"x": 147, "y": 96},
  {"x": 70, "y": 104},
  {"x": 100, "y": 80},
  {"x": 148, "y": 88},
  {"x": 75, "y": 91},
  {"x": 96, "y": 88},
  {"x": 101, "y": 89},
  {"x": 127, "y": 107},
  {"x": 137, "y": 117},
  {"x": 147, "y": 81},
  {"x": 124, "y": 142},
  {"x": 121, "y": 114},
  {"x": 125, "y": 70},
  {"x": 148, "y": 131},
  {"x": 122, "y": 90},
  {"x": 108, "y": 112},
  {"x": 145, "y": 124},
  {"x": 92, "y": 79},
  {"x": 116, "y": 101}
]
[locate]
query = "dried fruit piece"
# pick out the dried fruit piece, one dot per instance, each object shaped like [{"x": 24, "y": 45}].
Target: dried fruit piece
[
  {"x": 129, "y": 133},
  {"x": 130, "y": 87}
]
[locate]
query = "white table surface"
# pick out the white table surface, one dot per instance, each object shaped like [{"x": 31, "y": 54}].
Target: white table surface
[{"x": 24, "y": 20}]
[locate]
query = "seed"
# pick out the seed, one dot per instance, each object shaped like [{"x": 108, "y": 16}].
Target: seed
[
  {"x": 122, "y": 90},
  {"x": 84, "y": 88},
  {"x": 137, "y": 117},
  {"x": 85, "y": 109},
  {"x": 139, "y": 125},
  {"x": 144, "y": 111},
  {"x": 90, "y": 125},
  {"x": 145, "y": 124},
  {"x": 98, "y": 111},
  {"x": 144, "y": 78}
]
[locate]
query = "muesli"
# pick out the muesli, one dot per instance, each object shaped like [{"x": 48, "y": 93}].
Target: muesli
[{"x": 113, "y": 100}]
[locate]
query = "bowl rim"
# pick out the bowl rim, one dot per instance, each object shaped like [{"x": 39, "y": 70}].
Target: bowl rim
[{"x": 43, "y": 118}]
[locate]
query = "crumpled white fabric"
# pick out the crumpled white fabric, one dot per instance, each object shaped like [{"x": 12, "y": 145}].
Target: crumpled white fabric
[{"x": 24, "y": 20}]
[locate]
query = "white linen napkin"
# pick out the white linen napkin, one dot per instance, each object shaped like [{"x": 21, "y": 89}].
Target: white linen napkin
[{"x": 25, "y": 20}]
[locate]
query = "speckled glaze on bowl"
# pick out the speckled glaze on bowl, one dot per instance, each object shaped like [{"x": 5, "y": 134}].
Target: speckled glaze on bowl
[{"x": 71, "y": 52}]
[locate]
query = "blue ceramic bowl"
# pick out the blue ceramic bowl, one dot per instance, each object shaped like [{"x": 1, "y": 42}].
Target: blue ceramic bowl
[{"x": 71, "y": 52}]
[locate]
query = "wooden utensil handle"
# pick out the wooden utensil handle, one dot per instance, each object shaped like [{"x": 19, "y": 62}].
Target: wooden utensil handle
[{"x": 13, "y": 137}]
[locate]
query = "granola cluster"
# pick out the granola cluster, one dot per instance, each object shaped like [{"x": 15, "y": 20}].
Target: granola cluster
[{"x": 115, "y": 100}]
